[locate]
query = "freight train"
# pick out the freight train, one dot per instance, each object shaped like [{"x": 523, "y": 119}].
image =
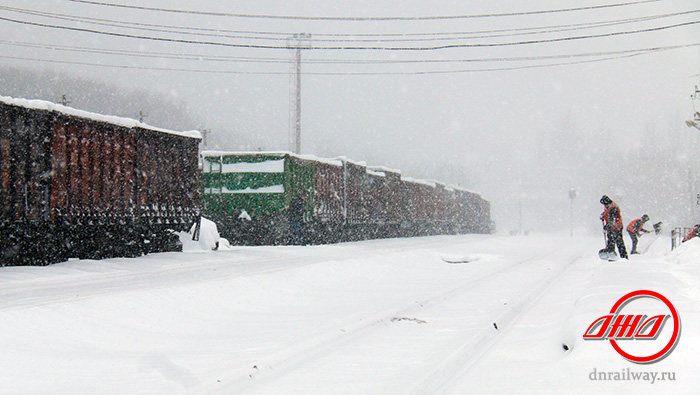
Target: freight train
[
  {"x": 248, "y": 194},
  {"x": 85, "y": 185},
  {"x": 79, "y": 184}
]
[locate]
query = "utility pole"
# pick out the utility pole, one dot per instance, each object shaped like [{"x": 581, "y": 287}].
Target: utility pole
[
  {"x": 205, "y": 138},
  {"x": 295, "y": 44}
]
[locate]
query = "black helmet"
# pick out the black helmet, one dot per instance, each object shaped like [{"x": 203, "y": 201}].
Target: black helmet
[
  {"x": 605, "y": 200},
  {"x": 645, "y": 218}
]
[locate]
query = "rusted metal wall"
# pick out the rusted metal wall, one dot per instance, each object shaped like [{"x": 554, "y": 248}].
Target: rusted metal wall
[{"x": 66, "y": 177}]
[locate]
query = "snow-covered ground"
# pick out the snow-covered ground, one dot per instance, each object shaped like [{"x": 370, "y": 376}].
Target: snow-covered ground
[{"x": 446, "y": 314}]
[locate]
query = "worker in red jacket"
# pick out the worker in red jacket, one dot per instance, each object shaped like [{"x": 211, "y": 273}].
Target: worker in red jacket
[
  {"x": 693, "y": 233},
  {"x": 635, "y": 230},
  {"x": 613, "y": 226}
]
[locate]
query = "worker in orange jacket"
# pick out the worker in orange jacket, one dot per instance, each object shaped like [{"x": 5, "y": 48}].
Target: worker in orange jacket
[
  {"x": 635, "y": 230},
  {"x": 612, "y": 219},
  {"x": 693, "y": 233}
]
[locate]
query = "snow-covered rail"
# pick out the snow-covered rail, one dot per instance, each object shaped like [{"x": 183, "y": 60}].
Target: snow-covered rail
[
  {"x": 469, "y": 352},
  {"x": 51, "y": 285},
  {"x": 354, "y": 330}
]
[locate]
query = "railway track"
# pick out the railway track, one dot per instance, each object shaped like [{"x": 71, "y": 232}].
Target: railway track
[
  {"x": 55, "y": 284},
  {"x": 346, "y": 334},
  {"x": 467, "y": 354}
]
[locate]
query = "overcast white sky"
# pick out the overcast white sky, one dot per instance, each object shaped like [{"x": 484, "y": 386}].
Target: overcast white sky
[{"x": 483, "y": 108}]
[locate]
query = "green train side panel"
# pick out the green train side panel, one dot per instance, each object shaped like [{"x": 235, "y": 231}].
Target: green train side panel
[
  {"x": 225, "y": 206},
  {"x": 242, "y": 181},
  {"x": 261, "y": 184}
]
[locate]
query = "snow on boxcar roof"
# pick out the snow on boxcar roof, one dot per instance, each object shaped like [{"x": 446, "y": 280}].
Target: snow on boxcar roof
[
  {"x": 279, "y": 154},
  {"x": 384, "y": 169},
  {"x": 418, "y": 181},
  {"x": 125, "y": 122},
  {"x": 375, "y": 173}
]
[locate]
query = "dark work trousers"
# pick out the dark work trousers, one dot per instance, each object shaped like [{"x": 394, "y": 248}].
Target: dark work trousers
[
  {"x": 615, "y": 237},
  {"x": 635, "y": 239}
]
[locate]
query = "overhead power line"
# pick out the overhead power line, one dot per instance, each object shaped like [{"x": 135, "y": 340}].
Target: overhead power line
[
  {"x": 262, "y": 60},
  {"x": 363, "y": 18},
  {"x": 194, "y": 30},
  {"x": 205, "y": 71},
  {"x": 356, "y": 48},
  {"x": 601, "y": 56},
  {"x": 348, "y": 38}
]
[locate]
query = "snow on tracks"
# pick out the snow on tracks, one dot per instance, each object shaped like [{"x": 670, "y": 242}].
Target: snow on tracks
[
  {"x": 423, "y": 333},
  {"x": 367, "y": 317},
  {"x": 29, "y": 286},
  {"x": 353, "y": 331},
  {"x": 529, "y": 291}
]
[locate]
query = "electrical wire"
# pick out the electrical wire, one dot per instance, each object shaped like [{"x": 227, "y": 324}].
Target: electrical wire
[
  {"x": 356, "y": 48},
  {"x": 253, "y": 35},
  {"x": 378, "y": 37},
  {"x": 239, "y": 59},
  {"x": 205, "y": 71},
  {"x": 626, "y": 54},
  {"x": 363, "y": 18}
]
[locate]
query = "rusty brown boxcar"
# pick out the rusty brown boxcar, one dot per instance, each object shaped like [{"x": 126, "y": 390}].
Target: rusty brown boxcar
[
  {"x": 78, "y": 184},
  {"x": 475, "y": 211},
  {"x": 329, "y": 197}
]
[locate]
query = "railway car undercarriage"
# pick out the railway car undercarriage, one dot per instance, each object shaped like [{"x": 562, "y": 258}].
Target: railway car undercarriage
[{"x": 26, "y": 243}]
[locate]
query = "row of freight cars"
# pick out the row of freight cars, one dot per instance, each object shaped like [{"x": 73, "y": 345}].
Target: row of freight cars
[
  {"x": 247, "y": 196},
  {"x": 79, "y": 184}
]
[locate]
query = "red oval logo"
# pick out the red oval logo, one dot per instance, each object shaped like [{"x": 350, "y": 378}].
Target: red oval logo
[{"x": 616, "y": 326}]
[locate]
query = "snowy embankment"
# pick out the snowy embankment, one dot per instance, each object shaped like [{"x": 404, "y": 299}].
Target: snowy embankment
[{"x": 445, "y": 314}]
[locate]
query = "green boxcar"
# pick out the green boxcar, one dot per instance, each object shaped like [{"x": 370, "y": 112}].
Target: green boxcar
[{"x": 247, "y": 194}]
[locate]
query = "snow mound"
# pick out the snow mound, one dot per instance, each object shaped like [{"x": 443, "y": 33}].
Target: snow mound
[
  {"x": 455, "y": 258},
  {"x": 688, "y": 252},
  {"x": 208, "y": 238},
  {"x": 658, "y": 247}
]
